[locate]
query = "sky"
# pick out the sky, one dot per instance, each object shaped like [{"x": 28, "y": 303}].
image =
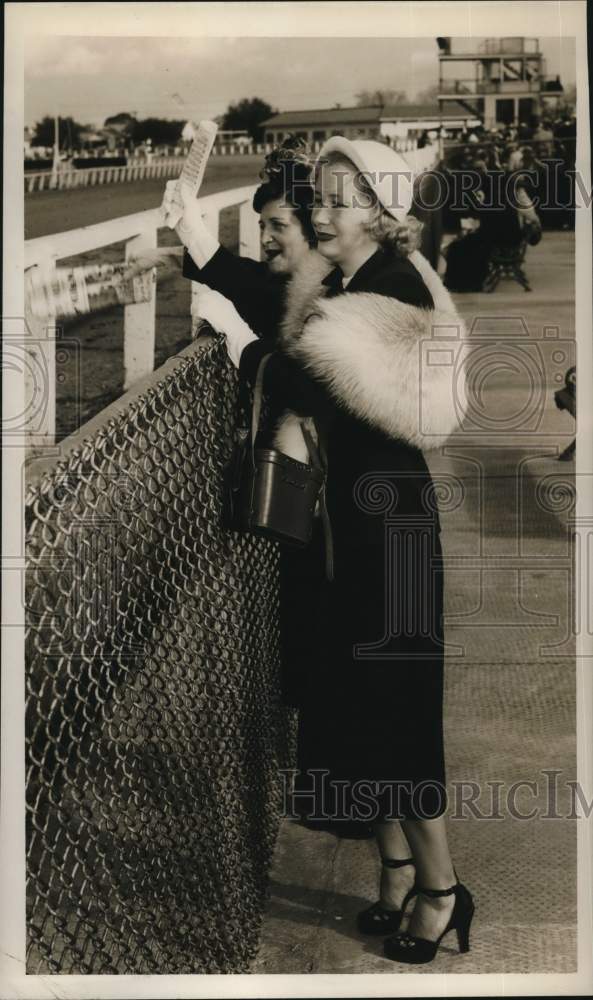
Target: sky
[{"x": 89, "y": 78}]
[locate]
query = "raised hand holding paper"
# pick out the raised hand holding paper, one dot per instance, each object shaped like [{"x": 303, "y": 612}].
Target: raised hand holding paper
[{"x": 193, "y": 169}]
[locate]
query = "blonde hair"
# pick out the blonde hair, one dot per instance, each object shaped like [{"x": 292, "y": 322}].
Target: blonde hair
[{"x": 401, "y": 238}]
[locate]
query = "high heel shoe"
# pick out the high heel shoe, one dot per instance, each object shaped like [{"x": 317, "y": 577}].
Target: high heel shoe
[
  {"x": 404, "y": 947},
  {"x": 377, "y": 919}
]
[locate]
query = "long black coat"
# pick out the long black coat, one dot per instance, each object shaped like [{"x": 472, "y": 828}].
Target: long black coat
[{"x": 363, "y": 654}]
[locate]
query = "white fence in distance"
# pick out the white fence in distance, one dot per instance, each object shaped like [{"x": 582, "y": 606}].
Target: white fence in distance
[{"x": 165, "y": 167}]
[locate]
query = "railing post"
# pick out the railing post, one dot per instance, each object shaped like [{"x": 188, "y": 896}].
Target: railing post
[
  {"x": 40, "y": 370},
  {"x": 140, "y": 319},
  {"x": 249, "y": 245}
]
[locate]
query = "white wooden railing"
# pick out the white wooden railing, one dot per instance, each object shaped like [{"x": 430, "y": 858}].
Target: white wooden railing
[{"x": 139, "y": 232}]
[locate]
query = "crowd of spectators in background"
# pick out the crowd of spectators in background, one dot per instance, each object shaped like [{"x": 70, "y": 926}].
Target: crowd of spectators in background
[
  {"x": 541, "y": 153},
  {"x": 503, "y": 187},
  {"x": 543, "y": 138}
]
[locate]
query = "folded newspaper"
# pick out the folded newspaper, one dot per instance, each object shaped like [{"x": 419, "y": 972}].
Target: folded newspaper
[
  {"x": 194, "y": 168},
  {"x": 73, "y": 291}
]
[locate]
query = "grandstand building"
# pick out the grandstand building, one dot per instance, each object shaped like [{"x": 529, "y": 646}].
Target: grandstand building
[
  {"x": 373, "y": 122},
  {"x": 502, "y": 81}
]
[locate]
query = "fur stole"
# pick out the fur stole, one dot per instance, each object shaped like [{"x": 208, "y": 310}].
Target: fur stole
[{"x": 395, "y": 366}]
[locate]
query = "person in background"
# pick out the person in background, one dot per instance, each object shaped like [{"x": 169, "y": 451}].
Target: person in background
[{"x": 506, "y": 216}]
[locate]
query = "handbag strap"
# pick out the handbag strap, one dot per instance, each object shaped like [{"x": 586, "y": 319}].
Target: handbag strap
[
  {"x": 319, "y": 461},
  {"x": 257, "y": 402},
  {"x": 314, "y": 452}
]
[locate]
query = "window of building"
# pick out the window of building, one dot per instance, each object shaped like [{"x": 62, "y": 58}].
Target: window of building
[
  {"x": 505, "y": 111},
  {"x": 319, "y": 136},
  {"x": 526, "y": 108}
]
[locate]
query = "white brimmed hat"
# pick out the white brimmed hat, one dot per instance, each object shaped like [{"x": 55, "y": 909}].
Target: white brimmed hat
[{"x": 386, "y": 172}]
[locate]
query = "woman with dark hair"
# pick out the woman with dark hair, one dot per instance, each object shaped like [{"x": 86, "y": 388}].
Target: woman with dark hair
[{"x": 283, "y": 202}]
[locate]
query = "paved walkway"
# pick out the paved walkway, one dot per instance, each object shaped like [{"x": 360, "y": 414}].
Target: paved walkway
[{"x": 510, "y": 678}]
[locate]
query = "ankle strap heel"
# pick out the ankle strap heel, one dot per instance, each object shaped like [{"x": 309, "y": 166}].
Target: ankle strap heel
[
  {"x": 404, "y": 947},
  {"x": 436, "y": 893}
]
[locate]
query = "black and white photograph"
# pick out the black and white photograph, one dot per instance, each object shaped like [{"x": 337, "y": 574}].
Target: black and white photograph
[{"x": 297, "y": 509}]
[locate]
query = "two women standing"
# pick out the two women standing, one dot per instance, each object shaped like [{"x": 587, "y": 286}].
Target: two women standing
[{"x": 364, "y": 651}]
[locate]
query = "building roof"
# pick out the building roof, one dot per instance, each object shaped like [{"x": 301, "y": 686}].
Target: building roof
[
  {"x": 364, "y": 116},
  {"x": 403, "y": 111},
  {"x": 325, "y": 116}
]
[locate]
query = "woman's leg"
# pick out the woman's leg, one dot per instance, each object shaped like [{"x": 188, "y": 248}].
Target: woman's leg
[
  {"x": 434, "y": 870},
  {"x": 395, "y": 882}
]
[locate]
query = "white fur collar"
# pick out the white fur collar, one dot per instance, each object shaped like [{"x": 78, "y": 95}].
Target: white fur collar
[{"x": 395, "y": 366}]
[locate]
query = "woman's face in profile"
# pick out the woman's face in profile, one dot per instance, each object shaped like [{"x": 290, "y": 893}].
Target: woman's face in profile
[
  {"x": 342, "y": 211},
  {"x": 282, "y": 239}
]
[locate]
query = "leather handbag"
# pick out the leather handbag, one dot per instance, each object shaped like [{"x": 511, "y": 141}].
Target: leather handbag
[{"x": 270, "y": 494}]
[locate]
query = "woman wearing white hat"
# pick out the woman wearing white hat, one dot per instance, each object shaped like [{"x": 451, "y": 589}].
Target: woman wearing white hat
[
  {"x": 370, "y": 712},
  {"x": 349, "y": 355}
]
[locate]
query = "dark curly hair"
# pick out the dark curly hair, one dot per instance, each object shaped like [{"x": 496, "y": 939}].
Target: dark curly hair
[{"x": 287, "y": 175}]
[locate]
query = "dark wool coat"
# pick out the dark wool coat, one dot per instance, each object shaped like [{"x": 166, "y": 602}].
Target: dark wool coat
[{"x": 363, "y": 654}]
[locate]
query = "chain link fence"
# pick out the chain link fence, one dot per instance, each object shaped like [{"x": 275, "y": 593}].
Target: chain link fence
[{"x": 155, "y": 730}]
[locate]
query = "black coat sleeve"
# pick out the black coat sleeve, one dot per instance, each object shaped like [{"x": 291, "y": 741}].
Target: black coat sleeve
[{"x": 256, "y": 294}]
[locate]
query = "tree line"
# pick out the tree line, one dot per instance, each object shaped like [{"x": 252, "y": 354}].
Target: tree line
[{"x": 246, "y": 114}]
